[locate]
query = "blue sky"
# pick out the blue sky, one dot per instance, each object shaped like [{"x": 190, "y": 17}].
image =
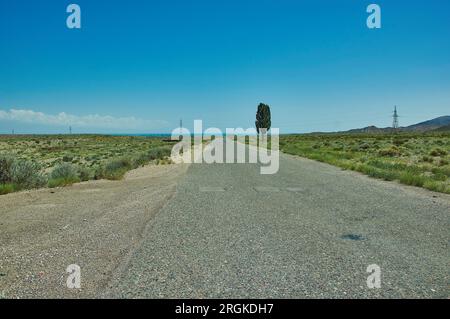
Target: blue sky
[{"x": 138, "y": 66}]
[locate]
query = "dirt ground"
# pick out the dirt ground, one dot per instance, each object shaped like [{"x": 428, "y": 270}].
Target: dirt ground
[{"x": 95, "y": 225}]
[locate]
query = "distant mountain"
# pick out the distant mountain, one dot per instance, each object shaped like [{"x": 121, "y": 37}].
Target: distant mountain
[
  {"x": 445, "y": 128},
  {"x": 438, "y": 124},
  {"x": 370, "y": 129},
  {"x": 430, "y": 125}
]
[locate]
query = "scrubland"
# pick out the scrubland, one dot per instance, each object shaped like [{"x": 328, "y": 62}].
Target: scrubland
[
  {"x": 418, "y": 159},
  {"x": 28, "y": 162}
]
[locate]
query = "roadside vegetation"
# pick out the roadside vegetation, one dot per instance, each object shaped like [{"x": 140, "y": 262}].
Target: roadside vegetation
[
  {"x": 418, "y": 159},
  {"x": 28, "y": 162}
]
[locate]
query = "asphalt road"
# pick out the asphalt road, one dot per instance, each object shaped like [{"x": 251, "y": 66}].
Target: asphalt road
[{"x": 310, "y": 231}]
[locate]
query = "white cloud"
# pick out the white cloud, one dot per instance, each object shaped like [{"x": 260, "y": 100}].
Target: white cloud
[{"x": 85, "y": 121}]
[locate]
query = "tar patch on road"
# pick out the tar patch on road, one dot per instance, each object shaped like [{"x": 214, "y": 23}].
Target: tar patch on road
[{"x": 352, "y": 237}]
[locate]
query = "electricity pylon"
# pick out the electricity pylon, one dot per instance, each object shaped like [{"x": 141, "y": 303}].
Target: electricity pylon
[{"x": 395, "y": 119}]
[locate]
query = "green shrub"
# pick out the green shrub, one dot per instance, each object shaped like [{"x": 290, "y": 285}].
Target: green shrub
[
  {"x": 113, "y": 175},
  {"x": 84, "y": 174},
  {"x": 159, "y": 152},
  {"x": 383, "y": 164},
  {"x": 391, "y": 152},
  {"x": 437, "y": 186},
  {"x": 363, "y": 147},
  {"x": 116, "y": 169},
  {"x": 440, "y": 177},
  {"x": 7, "y": 188},
  {"x": 140, "y": 160},
  {"x": 441, "y": 170},
  {"x": 67, "y": 158},
  {"x": 164, "y": 161},
  {"x": 99, "y": 173},
  {"x": 426, "y": 158},
  {"x": 63, "y": 174},
  {"x": 64, "y": 170},
  {"x": 6, "y": 162},
  {"x": 438, "y": 152},
  {"x": 412, "y": 179},
  {"x": 26, "y": 175},
  {"x": 399, "y": 141}
]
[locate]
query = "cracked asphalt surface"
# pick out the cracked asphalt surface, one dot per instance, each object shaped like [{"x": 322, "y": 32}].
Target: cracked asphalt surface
[{"x": 309, "y": 231}]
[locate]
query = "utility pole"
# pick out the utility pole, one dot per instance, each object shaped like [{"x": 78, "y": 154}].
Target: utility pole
[
  {"x": 70, "y": 130},
  {"x": 395, "y": 125}
]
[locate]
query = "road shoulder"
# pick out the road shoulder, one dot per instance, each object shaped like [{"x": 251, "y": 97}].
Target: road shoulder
[{"x": 94, "y": 224}]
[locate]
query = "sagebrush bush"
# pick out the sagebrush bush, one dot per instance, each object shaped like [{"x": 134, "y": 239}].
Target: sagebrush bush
[
  {"x": 391, "y": 152},
  {"x": 363, "y": 147},
  {"x": 84, "y": 174},
  {"x": 6, "y": 162},
  {"x": 99, "y": 173},
  {"x": 65, "y": 171},
  {"x": 63, "y": 174},
  {"x": 438, "y": 152},
  {"x": 123, "y": 162},
  {"x": 140, "y": 160},
  {"x": 26, "y": 174},
  {"x": 159, "y": 152},
  {"x": 116, "y": 169},
  {"x": 399, "y": 141},
  {"x": 426, "y": 158},
  {"x": 67, "y": 158}
]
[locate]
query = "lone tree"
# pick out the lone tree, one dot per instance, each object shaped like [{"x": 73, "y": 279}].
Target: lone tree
[{"x": 262, "y": 122}]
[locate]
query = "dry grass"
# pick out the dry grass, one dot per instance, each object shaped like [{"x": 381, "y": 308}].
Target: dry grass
[
  {"x": 66, "y": 159},
  {"x": 414, "y": 159}
]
